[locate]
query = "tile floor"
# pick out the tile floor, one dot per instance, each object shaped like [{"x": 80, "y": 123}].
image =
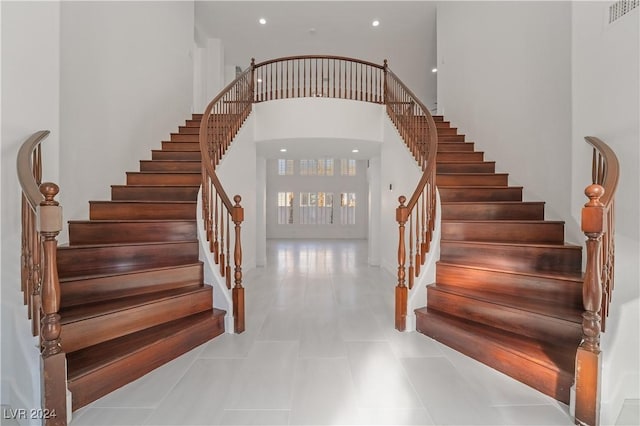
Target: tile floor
[{"x": 320, "y": 349}]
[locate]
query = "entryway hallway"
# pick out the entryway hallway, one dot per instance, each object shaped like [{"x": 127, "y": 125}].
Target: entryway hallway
[{"x": 320, "y": 348}]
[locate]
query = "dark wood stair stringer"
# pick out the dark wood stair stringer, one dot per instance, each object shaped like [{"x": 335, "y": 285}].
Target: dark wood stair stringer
[
  {"x": 508, "y": 289},
  {"x": 133, "y": 295}
]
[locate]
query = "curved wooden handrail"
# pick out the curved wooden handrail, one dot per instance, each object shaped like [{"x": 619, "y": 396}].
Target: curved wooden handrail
[
  {"x": 221, "y": 121},
  {"x": 605, "y": 172},
  {"x": 430, "y": 160},
  {"x": 598, "y": 225},
  {"x": 411, "y": 116},
  {"x": 339, "y": 58},
  {"x": 207, "y": 161},
  {"x": 27, "y": 176},
  {"x": 336, "y": 77}
]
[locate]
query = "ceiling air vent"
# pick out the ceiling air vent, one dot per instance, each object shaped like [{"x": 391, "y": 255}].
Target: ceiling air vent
[{"x": 620, "y": 8}]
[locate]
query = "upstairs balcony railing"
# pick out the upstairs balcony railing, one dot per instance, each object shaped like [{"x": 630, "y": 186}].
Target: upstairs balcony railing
[{"x": 328, "y": 77}]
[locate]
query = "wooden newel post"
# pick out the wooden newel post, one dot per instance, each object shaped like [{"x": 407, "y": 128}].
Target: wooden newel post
[
  {"x": 238, "y": 291},
  {"x": 588, "y": 358},
  {"x": 401, "y": 289},
  {"x": 53, "y": 360}
]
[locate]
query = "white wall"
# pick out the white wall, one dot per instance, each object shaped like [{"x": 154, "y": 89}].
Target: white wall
[
  {"x": 30, "y": 102},
  {"x": 127, "y": 82},
  {"x": 606, "y": 104},
  {"x": 318, "y": 118},
  {"x": 504, "y": 79}
]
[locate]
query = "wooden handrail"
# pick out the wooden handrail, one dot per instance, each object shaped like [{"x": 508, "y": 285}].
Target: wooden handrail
[
  {"x": 41, "y": 224},
  {"x": 30, "y": 174},
  {"x": 598, "y": 225},
  {"x": 605, "y": 169},
  {"x": 418, "y": 129},
  {"x": 221, "y": 121},
  {"x": 339, "y": 58},
  {"x": 335, "y": 77}
]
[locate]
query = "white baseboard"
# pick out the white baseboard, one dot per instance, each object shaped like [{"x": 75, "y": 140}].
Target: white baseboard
[{"x": 627, "y": 389}]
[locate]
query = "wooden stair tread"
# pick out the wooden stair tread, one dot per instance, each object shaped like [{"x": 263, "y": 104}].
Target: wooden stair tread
[
  {"x": 131, "y": 220},
  {"x": 115, "y": 274},
  {"x": 498, "y": 243},
  {"x": 159, "y": 202},
  {"x": 558, "y": 358},
  {"x": 90, "y": 246},
  {"x": 536, "y": 307},
  {"x": 470, "y": 174},
  {"x": 499, "y": 202},
  {"x": 510, "y": 222},
  {"x": 475, "y": 187},
  {"x": 174, "y": 161},
  {"x": 574, "y": 278},
  {"x": 92, "y": 310},
  {"x": 164, "y": 172},
  {"x": 85, "y": 361},
  {"x": 164, "y": 186}
]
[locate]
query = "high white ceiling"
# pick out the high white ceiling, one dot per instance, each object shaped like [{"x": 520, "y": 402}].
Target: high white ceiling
[{"x": 406, "y": 37}]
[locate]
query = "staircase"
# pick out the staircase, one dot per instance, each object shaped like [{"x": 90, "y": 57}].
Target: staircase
[
  {"x": 508, "y": 290},
  {"x": 132, "y": 290}
]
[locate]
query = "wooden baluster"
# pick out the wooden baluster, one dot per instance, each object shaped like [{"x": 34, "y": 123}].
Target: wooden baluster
[
  {"x": 334, "y": 78},
  {"x": 271, "y": 81},
  {"x": 24, "y": 270},
  {"x": 424, "y": 248},
  {"x": 401, "y": 288},
  {"x": 411, "y": 267},
  {"x": 321, "y": 77},
  {"x": 53, "y": 360},
  {"x": 222, "y": 236},
  {"x": 252, "y": 83},
  {"x": 297, "y": 64},
  {"x": 238, "y": 291},
  {"x": 607, "y": 263},
  {"x": 385, "y": 87},
  {"x": 36, "y": 278},
  {"x": 214, "y": 242},
  {"x": 418, "y": 244},
  {"x": 29, "y": 230},
  {"x": 227, "y": 273},
  {"x": 588, "y": 359}
]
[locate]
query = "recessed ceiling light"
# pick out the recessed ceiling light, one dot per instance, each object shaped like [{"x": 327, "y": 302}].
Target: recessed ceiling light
[
  {"x": 283, "y": 149},
  {"x": 434, "y": 69},
  {"x": 375, "y": 23},
  {"x": 355, "y": 150},
  {"x": 262, "y": 21}
]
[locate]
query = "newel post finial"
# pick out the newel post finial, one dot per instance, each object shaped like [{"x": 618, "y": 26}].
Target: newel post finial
[
  {"x": 253, "y": 62},
  {"x": 385, "y": 63}
]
